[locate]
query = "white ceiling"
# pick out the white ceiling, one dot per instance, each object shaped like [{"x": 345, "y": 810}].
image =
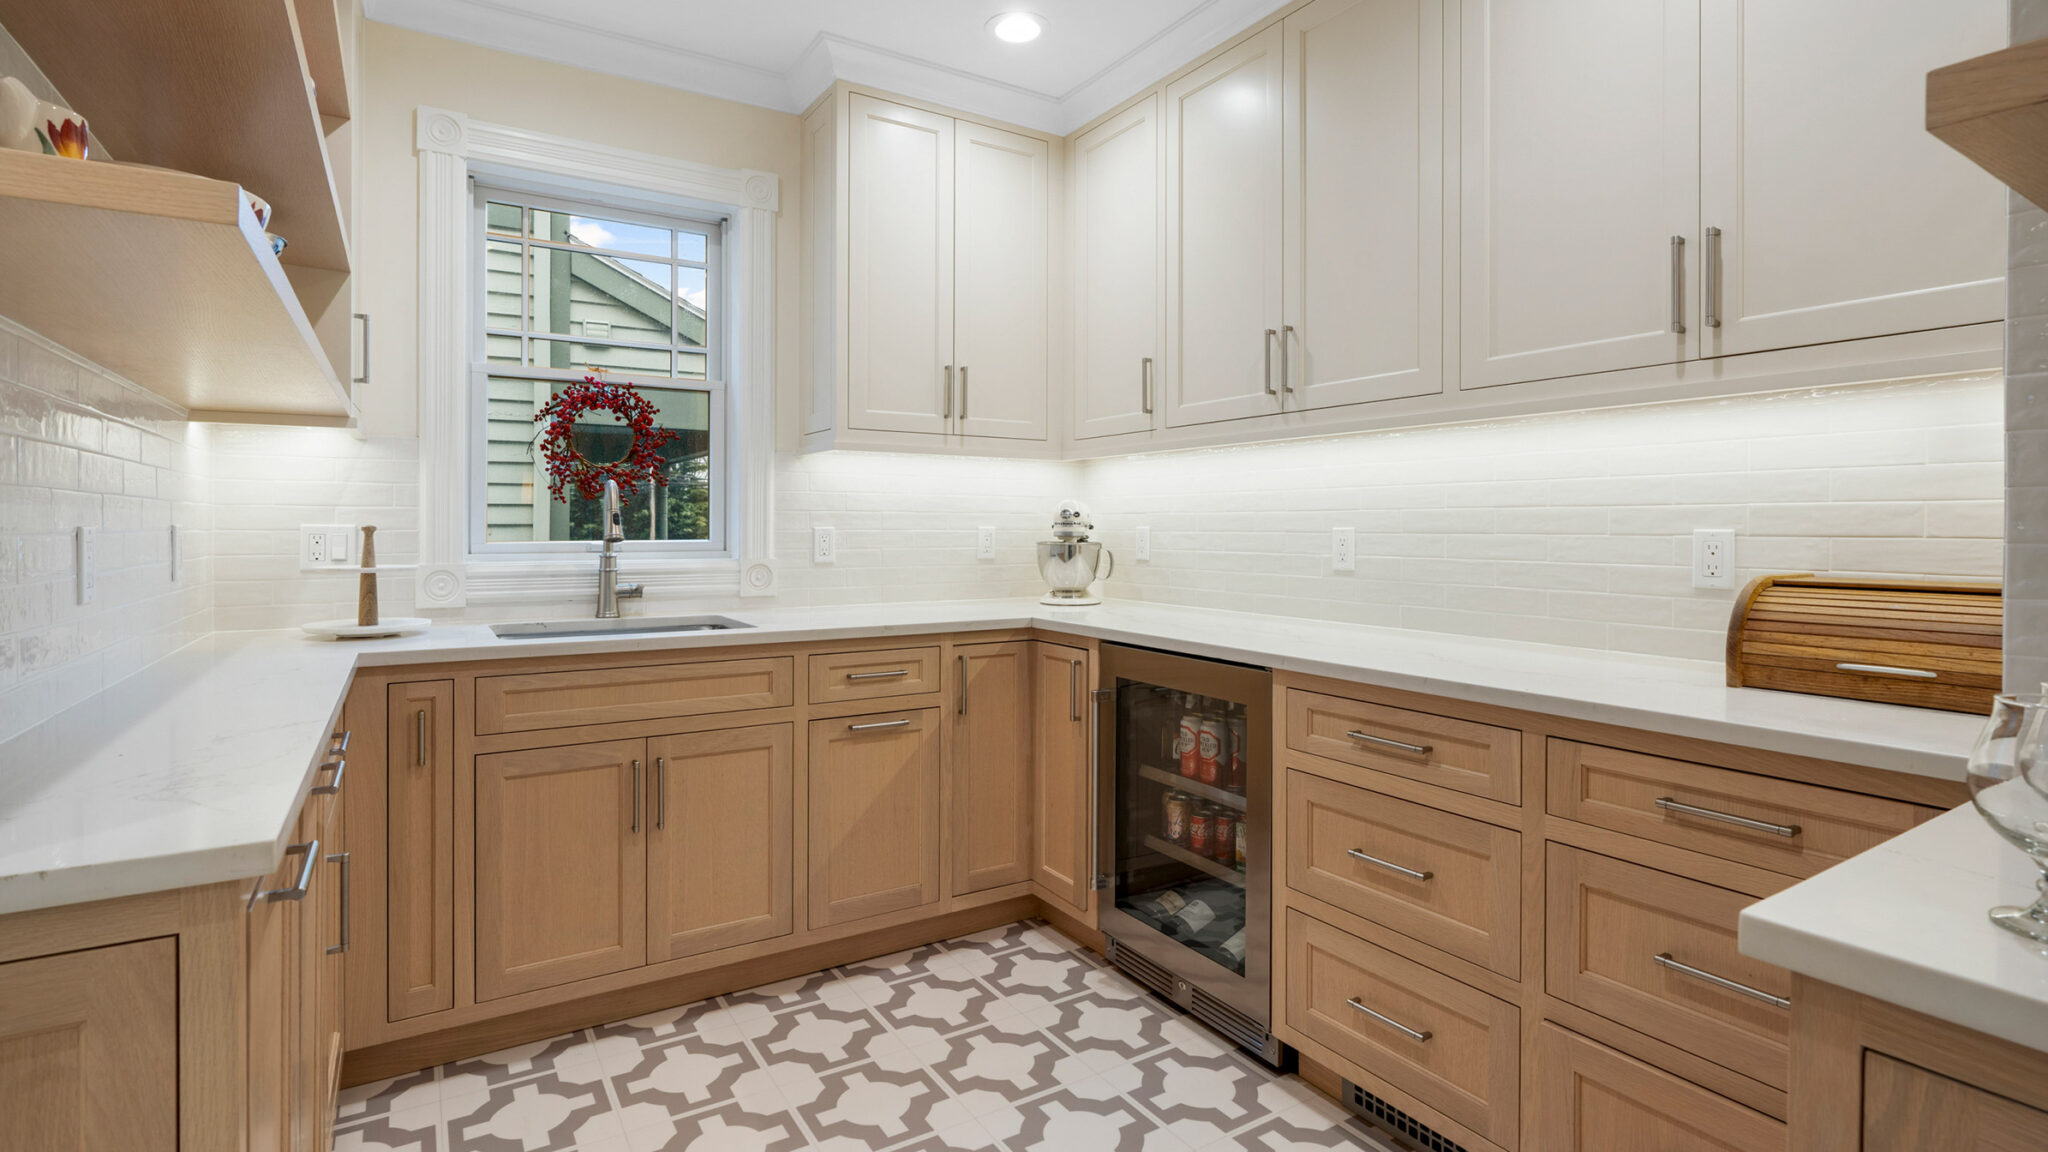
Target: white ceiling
[{"x": 783, "y": 53}]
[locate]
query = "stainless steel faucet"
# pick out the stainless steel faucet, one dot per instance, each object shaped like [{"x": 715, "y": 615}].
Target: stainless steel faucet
[{"x": 609, "y": 590}]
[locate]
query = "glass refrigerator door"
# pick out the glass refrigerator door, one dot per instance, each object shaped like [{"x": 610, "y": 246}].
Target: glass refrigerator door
[{"x": 1181, "y": 839}]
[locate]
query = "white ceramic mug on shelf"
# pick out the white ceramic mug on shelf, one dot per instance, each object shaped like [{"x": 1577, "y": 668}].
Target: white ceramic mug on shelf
[{"x": 36, "y": 125}]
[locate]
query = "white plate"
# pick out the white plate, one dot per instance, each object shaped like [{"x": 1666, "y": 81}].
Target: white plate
[{"x": 350, "y": 630}]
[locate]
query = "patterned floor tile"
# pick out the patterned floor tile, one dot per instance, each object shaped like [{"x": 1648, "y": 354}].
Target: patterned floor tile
[
  {"x": 986, "y": 1058},
  {"x": 682, "y": 1076},
  {"x": 405, "y": 1130},
  {"x": 516, "y": 1062},
  {"x": 819, "y": 1034},
  {"x": 896, "y": 965},
  {"x": 383, "y": 1097},
  {"x": 1222, "y": 1089},
  {"x": 1126, "y": 1029},
  {"x": 943, "y": 1005},
  {"x": 542, "y": 1114},
  {"x": 728, "y": 1128},
  {"x": 786, "y": 994},
  {"x": 873, "y": 1104},
  {"x": 1065, "y": 1121}
]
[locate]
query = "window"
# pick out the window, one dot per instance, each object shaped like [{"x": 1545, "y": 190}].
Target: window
[{"x": 572, "y": 289}]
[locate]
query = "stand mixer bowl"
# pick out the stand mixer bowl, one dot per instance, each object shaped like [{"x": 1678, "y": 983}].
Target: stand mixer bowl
[{"x": 1070, "y": 566}]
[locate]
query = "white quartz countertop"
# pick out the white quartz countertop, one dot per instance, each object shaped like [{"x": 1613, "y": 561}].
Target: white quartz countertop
[
  {"x": 1905, "y": 922},
  {"x": 188, "y": 773}
]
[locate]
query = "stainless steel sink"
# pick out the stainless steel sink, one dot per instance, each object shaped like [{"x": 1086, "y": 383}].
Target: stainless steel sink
[{"x": 624, "y": 626}]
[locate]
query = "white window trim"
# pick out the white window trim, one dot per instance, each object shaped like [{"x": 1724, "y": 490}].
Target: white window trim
[{"x": 450, "y": 147}]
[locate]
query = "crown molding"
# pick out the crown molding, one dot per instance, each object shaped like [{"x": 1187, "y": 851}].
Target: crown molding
[{"x": 828, "y": 58}]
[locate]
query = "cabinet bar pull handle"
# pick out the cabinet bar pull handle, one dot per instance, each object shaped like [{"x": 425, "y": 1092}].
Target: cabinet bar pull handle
[
  {"x": 1271, "y": 334},
  {"x": 963, "y": 391},
  {"x": 949, "y": 393},
  {"x": 311, "y": 851},
  {"x": 1286, "y": 378},
  {"x": 420, "y": 758},
  {"x": 1664, "y": 959},
  {"x": 1678, "y": 284},
  {"x": 1096, "y": 879},
  {"x": 1145, "y": 375},
  {"x": 333, "y": 786},
  {"x": 1389, "y": 865},
  {"x": 1670, "y": 805},
  {"x": 902, "y": 723},
  {"x": 893, "y": 672},
  {"x": 636, "y": 795},
  {"x": 962, "y": 657},
  {"x": 1399, "y": 746},
  {"x": 1712, "y": 259},
  {"x": 338, "y": 743},
  {"x": 1396, "y": 1025},
  {"x": 661, "y": 792},
  {"x": 1074, "y": 690},
  {"x": 1889, "y": 670},
  {"x": 365, "y": 377},
  {"x": 341, "y": 858}
]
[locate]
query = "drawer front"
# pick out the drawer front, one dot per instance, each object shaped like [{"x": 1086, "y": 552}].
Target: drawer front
[
  {"x": 1796, "y": 829},
  {"x": 650, "y": 692},
  {"x": 1590, "y": 1098},
  {"x": 1465, "y": 1063},
  {"x": 837, "y": 676},
  {"x": 1611, "y": 922},
  {"x": 1363, "y": 851},
  {"x": 1909, "y": 1109},
  {"x": 1476, "y": 758}
]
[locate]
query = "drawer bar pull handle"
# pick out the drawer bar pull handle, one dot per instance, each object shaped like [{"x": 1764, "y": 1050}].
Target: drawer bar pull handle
[
  {"x": 904, "y": 723},
  {"x": 420, "y": 739},
  {"x": 1382, "y": 741},
  {"x": 311, "y": 851},
  {"x": 333, "y": 786},
  {"x": 338, "y": 743},
  {"x": 1403, "y": 1029},
  {"x": 1389, "y": 865},
  {"x": 889, "y": 675},
  {"x": 341, "y": 858},
  {"x": 1670, "y": 805},
  {"x": 1889, "y": 670},
  {"x": 1664, "y": 960}
]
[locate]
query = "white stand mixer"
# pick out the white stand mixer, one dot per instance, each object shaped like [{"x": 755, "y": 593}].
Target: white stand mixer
[{"x": 1070, "y": 562}]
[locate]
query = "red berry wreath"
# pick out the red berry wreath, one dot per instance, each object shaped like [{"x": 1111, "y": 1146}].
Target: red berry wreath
[{"x": 566, "y": 466}]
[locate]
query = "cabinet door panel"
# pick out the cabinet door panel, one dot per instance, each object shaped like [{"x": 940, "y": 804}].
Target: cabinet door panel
[
  {"x": 1909, "y": 1109},
  {"x": 719, "y": 857},
  {"x": 874, "y": 815},
  {"x": 1223, "y": 261},
  {"x": 1580, "y": 163},
  {"x": 561, "y": 866},
  {"x": 1064, "y": 830},
  {"x": 990, "y": 766},
  {"x": 1118, "y": 246},
  {"x": 1364, "y": 208},
  {"x": 1841, "y": 216},
  {"x": 1001, "y": 314},
  {"x": 89, "y": 1050},
  {"x": 1591, "y": 1098},
  {"x": 899, "y": 266},
  {"x": 419, "y": 786}
]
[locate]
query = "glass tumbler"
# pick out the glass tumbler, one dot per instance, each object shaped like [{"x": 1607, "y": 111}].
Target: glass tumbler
[{"x": 2005, "y": 763}]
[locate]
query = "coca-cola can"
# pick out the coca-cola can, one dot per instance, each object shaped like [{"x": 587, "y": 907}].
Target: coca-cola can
[
  {"x": 1223, "y": 843},
  {"x": 1201, "y": 833}
]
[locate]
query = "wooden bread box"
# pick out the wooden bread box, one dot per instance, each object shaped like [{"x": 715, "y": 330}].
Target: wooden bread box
[{"x": 1927, "y": 644}]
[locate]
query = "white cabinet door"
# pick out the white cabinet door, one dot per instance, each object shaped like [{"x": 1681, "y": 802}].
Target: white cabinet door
[
  {"x": 1363, "y": 159},
  {"x": 1223, "y": 263},
  {"x": 1118, "y": 246},
  {"x": 1580, "y": 164},
  {"x": 1840, "y": 216},
  {"x": 899, "y": 267},
  {"x": 1001, "y": 314}
]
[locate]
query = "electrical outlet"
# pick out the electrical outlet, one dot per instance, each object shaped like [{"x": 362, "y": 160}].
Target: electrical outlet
[
  {"x": 325, "y": 546},
  {"x": 824, "y": 549},
  {"x": 1713, "y": 558},
  {"x": 177, "y": 554},
  {"x": 1144, "y": 548},
  {"x": 985, "y": 542},
  {"x": 88, "y": 555},
  {"x": 1344, "y": 549}
]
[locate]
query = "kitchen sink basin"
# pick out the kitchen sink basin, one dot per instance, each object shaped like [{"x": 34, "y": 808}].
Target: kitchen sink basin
[{"x": 624, "y": 626}]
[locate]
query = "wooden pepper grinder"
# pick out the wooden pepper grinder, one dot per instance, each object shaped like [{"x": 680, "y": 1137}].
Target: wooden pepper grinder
[{"x": 366, "y": 597}]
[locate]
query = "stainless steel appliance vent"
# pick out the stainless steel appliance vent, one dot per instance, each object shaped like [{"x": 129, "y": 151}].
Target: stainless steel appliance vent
[
  {"x": 1385, "y": 1115},
  {"x": 1138, "y": 968},
  {"x": 1229, "y": 1021}
]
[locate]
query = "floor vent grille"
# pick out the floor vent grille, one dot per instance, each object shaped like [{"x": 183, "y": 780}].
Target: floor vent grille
[
  {"x": 1396, "y": 1121},
  {"x": 1141, "y": 969}
]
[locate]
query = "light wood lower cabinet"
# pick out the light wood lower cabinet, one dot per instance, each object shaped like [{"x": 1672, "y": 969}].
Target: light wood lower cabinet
[
  {"x": 89, "y": 1050},
  {"x": 1063, "y": 828},
  {"x": 561, "y": 865},
  {"x": 1909, "y": 1109},
  {"x": 1590, "y": 1098},
  {"x": 720, "y": 852},
  {"x": 419, "y": 848},
  {"x": 874, "y": 815},
  {"x": 297, "y": 936},
  {"x": 989, "y": 758}
]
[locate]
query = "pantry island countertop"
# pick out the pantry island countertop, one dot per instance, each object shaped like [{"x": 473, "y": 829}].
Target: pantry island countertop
[{"x": 188, "y": 772}]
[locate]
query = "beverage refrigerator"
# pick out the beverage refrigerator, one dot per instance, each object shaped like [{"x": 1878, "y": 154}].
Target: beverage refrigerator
[{"x": 1183, "y": 848}]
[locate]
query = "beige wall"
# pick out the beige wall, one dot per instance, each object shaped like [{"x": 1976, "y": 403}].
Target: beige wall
[{"x": 403, "y": 70}]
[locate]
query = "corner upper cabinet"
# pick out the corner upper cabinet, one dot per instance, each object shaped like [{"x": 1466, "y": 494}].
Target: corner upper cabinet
[
  {"x": 1580, "y": 175},
  {"x": 927, "y": 259},
  {"x": 1119, "y": 280}
]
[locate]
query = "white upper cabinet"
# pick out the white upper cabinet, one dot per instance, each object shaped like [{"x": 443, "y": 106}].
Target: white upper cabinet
[
  {"x": 1839, "y": 216},
  {"x": 1118, "y": 277},
  {"x": 1580, "y": 166},
  {"x": 899, "y": 267},
  {"x": 1001, "y": 318},
  {"x": 1223, "y": 261},
  {"x": 1363, "y": 164}
]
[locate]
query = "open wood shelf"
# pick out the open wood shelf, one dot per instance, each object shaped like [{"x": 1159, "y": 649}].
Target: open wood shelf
[
  {"x": 320, "y": 35},
  {"x": 163, "y": 277},
  {"x": 219, "y": 88},
  {"x": 1994, "y": 109}
]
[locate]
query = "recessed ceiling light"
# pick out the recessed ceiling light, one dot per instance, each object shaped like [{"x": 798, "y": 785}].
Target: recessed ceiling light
[{"x": 1017, "y": 27}]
